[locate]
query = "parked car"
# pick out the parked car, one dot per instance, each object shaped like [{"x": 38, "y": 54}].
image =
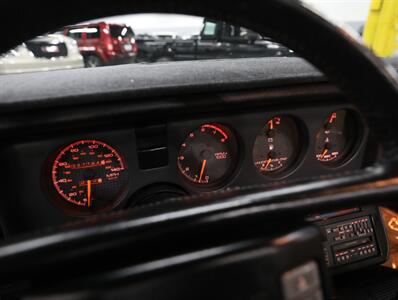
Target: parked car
[
  {"x": 103, "y": 43},
  {"x": 152, "y": 48},
  {"x": 216, "y": 40},
  {"x": 168, "y": 36},
  {"x": 44, "y": 53}
]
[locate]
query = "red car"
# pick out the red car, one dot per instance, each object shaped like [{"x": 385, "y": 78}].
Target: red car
[{"x": 104, "y": 44}]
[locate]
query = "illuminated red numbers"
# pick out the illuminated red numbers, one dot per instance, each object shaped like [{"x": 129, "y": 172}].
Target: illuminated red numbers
[{"x": 221, "y": 155}]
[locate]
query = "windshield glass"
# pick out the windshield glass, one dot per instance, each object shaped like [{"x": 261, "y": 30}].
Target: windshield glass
[{"x": 156, "y": 38}]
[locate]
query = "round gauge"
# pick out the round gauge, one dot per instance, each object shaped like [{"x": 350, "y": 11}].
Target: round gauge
[
  {"x": 89, "y": 176},
  {"x": 336, "y": 138},
  {"x": 208, "y": 155},
  {"x": 276, "y": 146}
]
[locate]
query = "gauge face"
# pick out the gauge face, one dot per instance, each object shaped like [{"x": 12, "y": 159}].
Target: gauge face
[
  {"x": 336, "y": 138},
  {"x": 208, "y": 155},
  {"x": 277, "y": 145},
  {"x": 89, "y": 176}
]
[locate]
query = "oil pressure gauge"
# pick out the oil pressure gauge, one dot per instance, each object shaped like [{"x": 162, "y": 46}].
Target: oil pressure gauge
[
  {"x": 337, "y": 137},
  {"x": 276, "y": 146}
]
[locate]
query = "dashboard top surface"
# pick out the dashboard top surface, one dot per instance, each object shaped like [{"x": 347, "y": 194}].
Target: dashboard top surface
[{"x": 68, "y": 87}]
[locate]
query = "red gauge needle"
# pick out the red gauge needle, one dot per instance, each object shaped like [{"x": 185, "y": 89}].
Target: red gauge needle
[
  {"x": 89, "y": 193},
  {"x": 267, "y": 164},
  {"x": 202, "y": 170},
  {"x": 324, "y": 153}
]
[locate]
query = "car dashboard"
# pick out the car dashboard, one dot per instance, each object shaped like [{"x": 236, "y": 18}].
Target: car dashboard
[{"x": 102, "y": 158}]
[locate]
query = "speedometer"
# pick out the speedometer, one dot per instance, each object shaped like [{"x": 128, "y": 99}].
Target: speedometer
[{"x": 89, "y": 176}]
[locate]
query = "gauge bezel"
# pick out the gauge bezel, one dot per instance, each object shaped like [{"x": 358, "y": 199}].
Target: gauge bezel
[
  {"x": 352, "y": 148},
  {"x": 299, "y": 155},
  {"x": 73, "y": 209},
  {"x": 226, "y": 179}
]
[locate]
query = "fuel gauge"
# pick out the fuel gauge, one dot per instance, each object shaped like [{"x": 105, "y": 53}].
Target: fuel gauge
[
  {"x": 277, "y": 145},
  {"x": 337, "y": 137}
]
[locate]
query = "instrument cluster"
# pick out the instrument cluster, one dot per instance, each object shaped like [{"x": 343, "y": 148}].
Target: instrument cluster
[{"x": 88, "y": 176}]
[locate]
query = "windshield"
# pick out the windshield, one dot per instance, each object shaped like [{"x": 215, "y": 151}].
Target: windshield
[{"x": 159, "y": 38}]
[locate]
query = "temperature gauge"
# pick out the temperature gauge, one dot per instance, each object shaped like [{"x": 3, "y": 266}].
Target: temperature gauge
[
  {"x": 276, "y": 146},
  {"x": 336, "y": 138}
]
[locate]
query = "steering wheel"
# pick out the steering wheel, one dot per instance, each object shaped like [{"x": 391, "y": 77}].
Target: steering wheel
[{"x": 364, "y": 78}]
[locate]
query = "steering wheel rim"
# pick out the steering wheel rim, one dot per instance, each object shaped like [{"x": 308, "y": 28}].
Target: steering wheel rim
[{"x": 346, "y": 63}]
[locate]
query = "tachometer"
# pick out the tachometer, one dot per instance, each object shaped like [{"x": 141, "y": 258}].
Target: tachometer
[
  {"x": 208, "y": 155},
  {"x": 277, "y": 145},
  {"x": 89, "y": 176}
]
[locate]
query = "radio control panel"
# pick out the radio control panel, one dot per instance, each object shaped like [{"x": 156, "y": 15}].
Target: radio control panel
[{"x": 352, "y": 238}]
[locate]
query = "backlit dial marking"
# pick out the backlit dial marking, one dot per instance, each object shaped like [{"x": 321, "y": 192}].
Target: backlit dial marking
[
  {"x": 336, "y": 137},
  {"x": 89, "y": 174},
  {"x": 276, "y": 146},
  {"x": 208, "y": 155}
]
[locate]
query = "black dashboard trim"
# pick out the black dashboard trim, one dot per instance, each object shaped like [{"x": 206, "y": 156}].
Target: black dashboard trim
[
  {"x": 99, "y": 85},
  {"x": 121, "y": 111}
]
